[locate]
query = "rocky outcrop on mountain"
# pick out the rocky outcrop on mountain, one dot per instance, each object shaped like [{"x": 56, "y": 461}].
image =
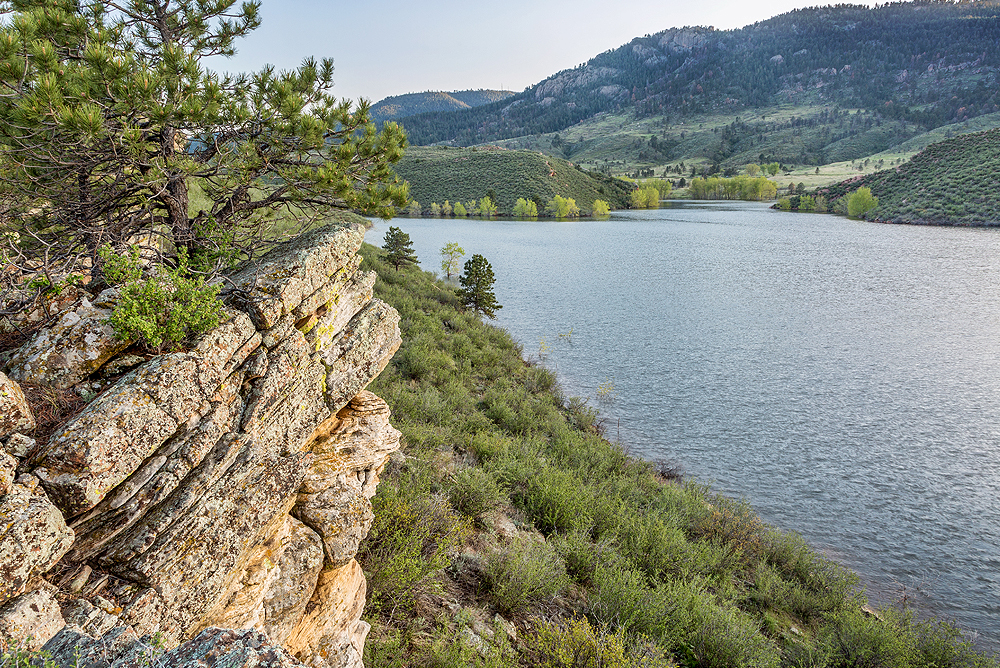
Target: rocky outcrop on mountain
[{"x": 222, "y": 487}]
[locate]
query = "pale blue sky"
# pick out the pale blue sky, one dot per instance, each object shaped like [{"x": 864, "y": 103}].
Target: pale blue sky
[{"x": 390, "y": 47}]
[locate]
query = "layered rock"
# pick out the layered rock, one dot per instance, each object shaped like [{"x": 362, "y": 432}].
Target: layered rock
[{"x": 225, "y": 486}]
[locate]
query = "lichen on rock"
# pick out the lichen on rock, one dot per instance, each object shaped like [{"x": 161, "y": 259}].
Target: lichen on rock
[{"x": 226, "y": 485}]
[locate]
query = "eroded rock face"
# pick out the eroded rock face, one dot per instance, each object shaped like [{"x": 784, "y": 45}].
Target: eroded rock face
[
  {"x": 225, "y": 486},
  {"x": 351, "y": 450}
]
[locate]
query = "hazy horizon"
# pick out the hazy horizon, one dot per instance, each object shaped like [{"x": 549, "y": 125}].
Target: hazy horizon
[{"x": 391, "y": 48}]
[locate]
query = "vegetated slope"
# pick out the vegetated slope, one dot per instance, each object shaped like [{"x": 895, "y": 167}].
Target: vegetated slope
[
  {"x": 401, "y": 106},
  {"x": 513, "y": 534},
  {"x": 954, "y": 182},
  {"x": 927, "y": 63},
  {"x": 441, "y": 173}
]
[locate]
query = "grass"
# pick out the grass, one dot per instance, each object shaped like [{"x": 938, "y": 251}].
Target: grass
[{"x": 511, "y": 507}]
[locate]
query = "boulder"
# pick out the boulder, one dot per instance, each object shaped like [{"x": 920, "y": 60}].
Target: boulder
[
  {"x": 287, "y": 275},
  {"x": 65, "y": 353},
  {"x": 331, "y": 633},
  {"x": 360, "y": 352},
  {"x": 117, "y": 432},
  {"x": 228, "y": 485},
  {"x": 15, "y": 414},
  {"x": 33, "y": 536},
  {"x": 300, "y": 565},
  {"x": 31, "y": 619},
  {"x": 20, "y": 446}
]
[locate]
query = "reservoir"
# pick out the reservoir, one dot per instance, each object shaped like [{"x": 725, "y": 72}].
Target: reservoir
[{"x": 842, "y": 376}]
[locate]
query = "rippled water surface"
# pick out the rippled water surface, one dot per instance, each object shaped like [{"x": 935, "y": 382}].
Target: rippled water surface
[{"x": 842, "y": 376}]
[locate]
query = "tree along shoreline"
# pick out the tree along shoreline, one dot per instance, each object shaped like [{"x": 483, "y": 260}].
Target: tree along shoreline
[{"x": 511, "y": 533}]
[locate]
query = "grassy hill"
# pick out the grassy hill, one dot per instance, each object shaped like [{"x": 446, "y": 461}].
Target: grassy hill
[
  {"x": 440, "y": 173},
  {"x": 401, "y": 106},
  {"x": 510, "y": 534},
  {"x": 953, "y": 182}
]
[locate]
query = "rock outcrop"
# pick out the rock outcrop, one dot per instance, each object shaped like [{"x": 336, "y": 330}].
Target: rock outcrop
[{"x": 224, "y": 487}]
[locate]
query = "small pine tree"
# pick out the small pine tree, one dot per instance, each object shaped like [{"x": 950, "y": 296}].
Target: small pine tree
[
  {"x": 477, "y": 287},
  {"x": 398, "y": 248}
]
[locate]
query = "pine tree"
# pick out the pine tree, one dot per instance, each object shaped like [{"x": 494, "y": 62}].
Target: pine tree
[
  {"x": 112, "y": 130},
  {"x": 398, "y": 248},
  {"x": 477, "y": 287}
]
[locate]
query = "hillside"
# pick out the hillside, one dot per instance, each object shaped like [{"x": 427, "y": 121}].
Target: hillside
[
  {"x": 910, "y": 67},
  {"x": 953, "y": 182},
  {"x": 402, "y": 106},
  {"x": 441, "y": 173}
]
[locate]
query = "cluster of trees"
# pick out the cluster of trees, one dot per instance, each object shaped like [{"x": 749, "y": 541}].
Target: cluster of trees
[
  {"x": 738, "y": 188},
  {"x": 557, "y": 207},
  {"x": 477, "y": 277},
  {"x": 649, "y": 193},
  {"x": 808, "y": 204},
  {"x": 484, "y": 207},
  {"x": 113, "y": 133}
]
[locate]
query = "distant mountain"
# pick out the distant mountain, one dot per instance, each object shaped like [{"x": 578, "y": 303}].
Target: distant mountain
[
  {"x": 953, "y": 182},
  {"x": 927, "y": 63},
  {"x": 402, "y": 106}
]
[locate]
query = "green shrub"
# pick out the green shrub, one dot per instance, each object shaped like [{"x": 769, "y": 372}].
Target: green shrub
[
  {"x": 16, "y": 655},
  {"x": 785, "y": 204},
  {"x": 474, "y": 492},
  {"x": 853, "y": 637},
  {"x": 940, "y": 644},
  {"x": 165, "y": 310},
  {"x": 734, "y": 526},
  {"x": 860, "y": 202},
  {"x": 580, "y": 554},
  {"x": 578, "y": 644},
  {"x": 409, "y": 541},
  {"x": 523, "y": 574},
  {"x": 600, "y": 208},
  {"x": 554, "y": 499}
]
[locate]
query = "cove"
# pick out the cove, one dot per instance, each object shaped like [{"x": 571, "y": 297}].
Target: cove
[{"x": 842, "y": 376}]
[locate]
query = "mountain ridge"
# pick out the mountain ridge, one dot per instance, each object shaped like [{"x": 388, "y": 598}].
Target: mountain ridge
[
  {"x": 402, "y": 106},
  {"x": 926, "y": 63}
]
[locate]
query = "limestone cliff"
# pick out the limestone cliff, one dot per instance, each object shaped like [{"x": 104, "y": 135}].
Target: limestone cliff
[{"x": 225, "y": 486}]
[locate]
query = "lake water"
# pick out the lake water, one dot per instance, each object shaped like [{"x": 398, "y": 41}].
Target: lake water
[{"x": 842, "y": 376}]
